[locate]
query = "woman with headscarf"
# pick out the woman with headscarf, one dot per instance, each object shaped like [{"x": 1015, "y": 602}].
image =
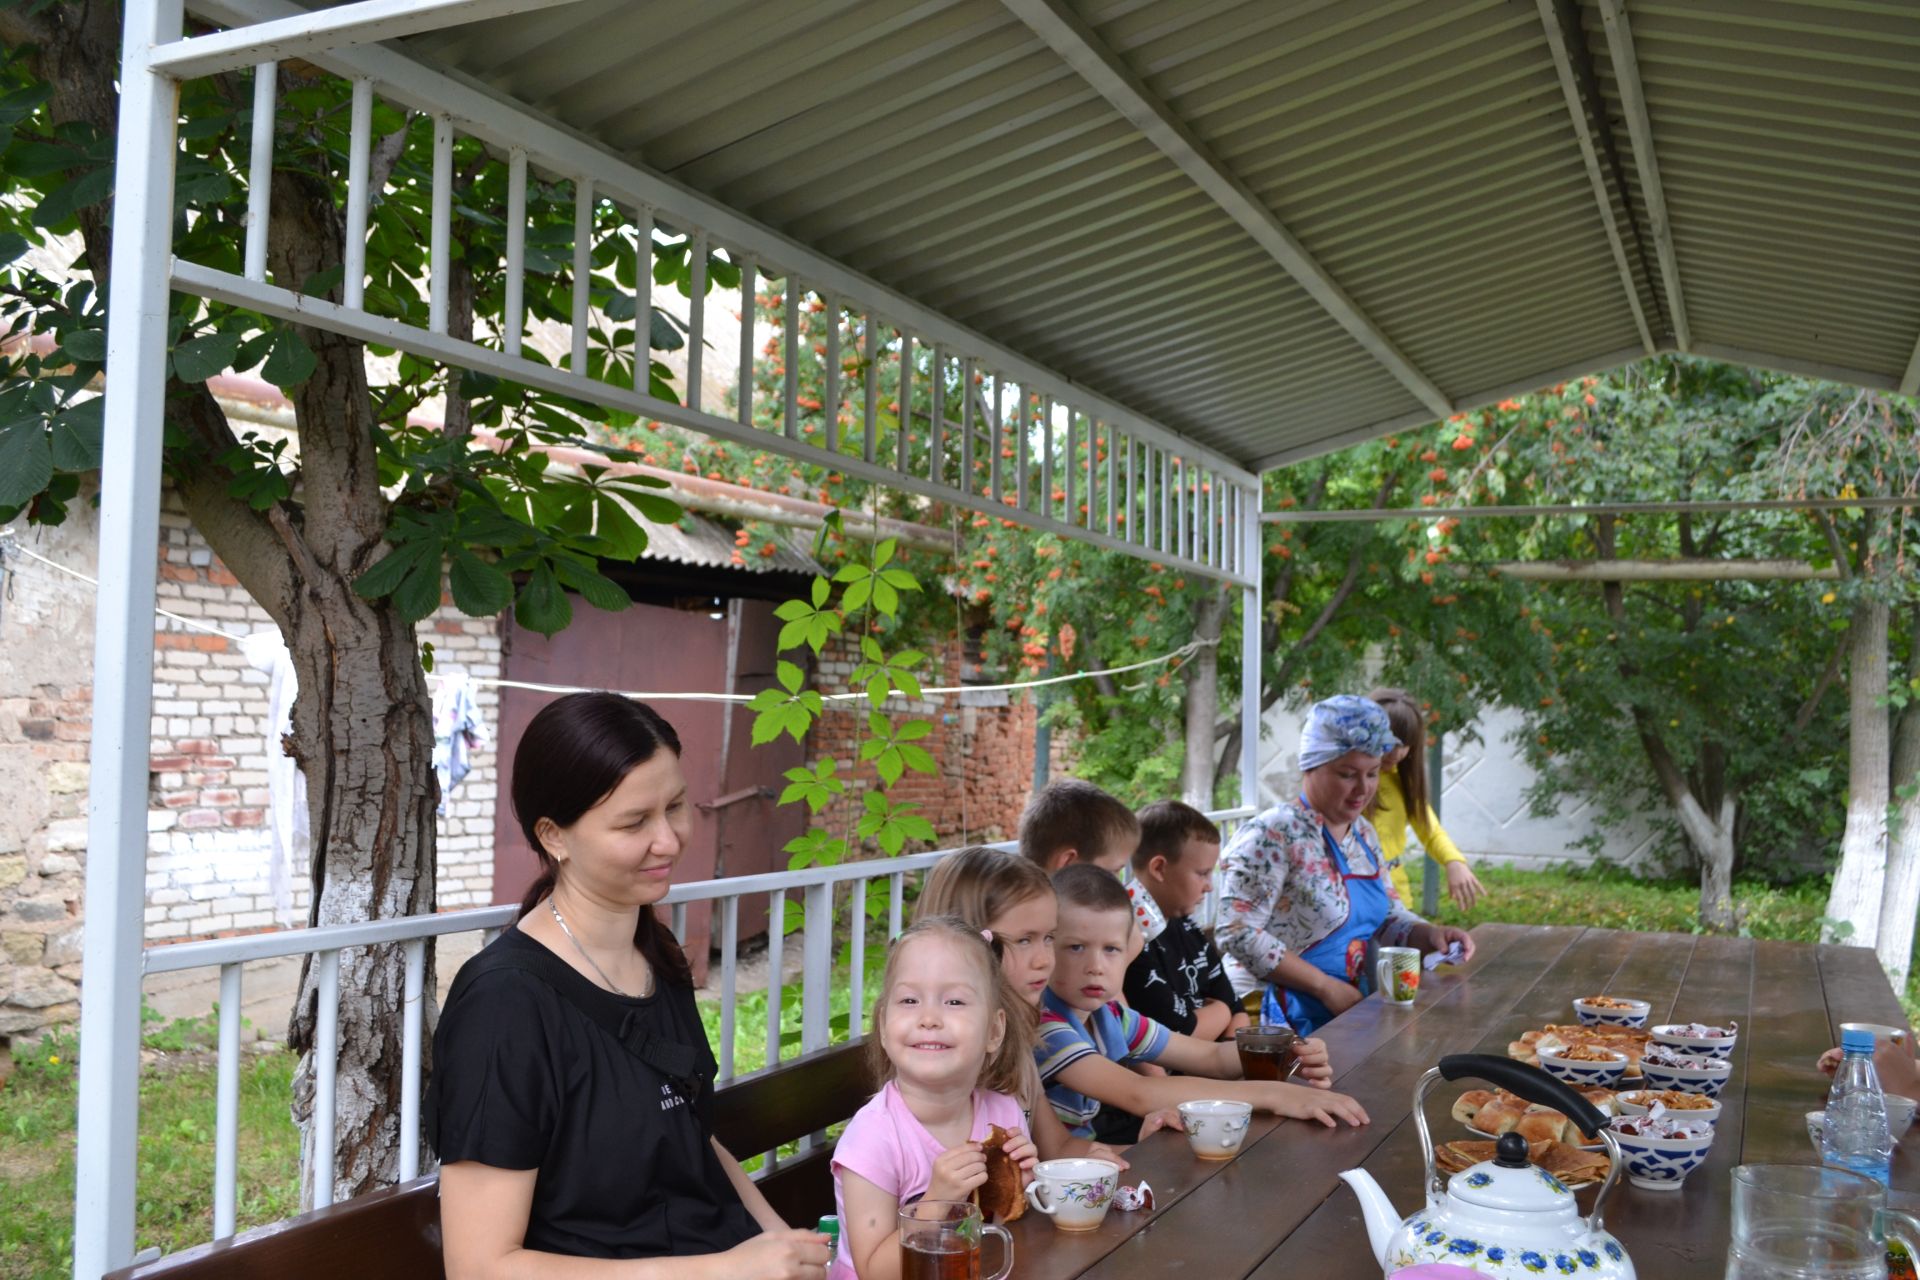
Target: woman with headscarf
[{"x": 1305, "y": 893}]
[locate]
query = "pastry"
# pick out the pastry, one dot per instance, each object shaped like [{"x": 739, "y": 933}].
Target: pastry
[{"x": 1003, "y": 1196}]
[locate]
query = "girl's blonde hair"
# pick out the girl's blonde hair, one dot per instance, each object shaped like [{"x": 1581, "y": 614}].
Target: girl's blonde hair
[
  {"x": 980, "y": 885},
  {"x": 1410, "y": 726},
  {"x": 1007, "y": 1067}
]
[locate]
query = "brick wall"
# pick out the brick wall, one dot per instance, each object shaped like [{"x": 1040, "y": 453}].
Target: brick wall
[
  {"x": 984, "y": 754},
  {"x": 209, "y": 845}
]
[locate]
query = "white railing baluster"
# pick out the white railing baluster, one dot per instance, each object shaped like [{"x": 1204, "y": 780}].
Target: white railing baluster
[
  {"x": 696, "y": 317},
  {"x": 729, "y": 978},
  {"x": 792, "y": 383},
  {"x": 582, "y": 268},
  {"x": 1093, "y": 473},
  {"x": 260, "y": 170},
  {"x": 857, "y": 961},
  {"x": 413, "y": 1017},
  {"x": 896, "y": 902},
  {"x": 440, "y": 235},
  {"x": 1070, "y": 463},
  {"x": 679, "y": 914},
  {"x": 1113, "y": 465},
  {"x": 1136, "y": 526},
  {"x": 997, "y": 438},
  {"x": 830, "y": 401},
  {"x": 516, "y": 308},
  {"x": 359, "y": 160},
  {"x": 816, "y": 967},
  {"x": 1182, "y": 514},
  {"x": 1046, "y": 456},
  {"x": 749, "y": 318},
  {"x": 1212, "y": 485},
  {"x": 905, "y": 415},
  {"x": 967, "y": 428},
  {"x": 937, "y": 418},
  {"x": 326, "y": 1066},
  {"x": 1024, "y": 402},
  {"x": 643, "y": 300},
  {"x": 226, "y": 1107},
  {"x": 776, "y": 958},
  {"x": 1168, "y": 539},
  {"x": 870, "y": 377}
]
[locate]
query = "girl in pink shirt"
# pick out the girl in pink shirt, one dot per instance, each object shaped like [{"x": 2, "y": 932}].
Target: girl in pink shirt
[{"x": 951, "y": 1055}]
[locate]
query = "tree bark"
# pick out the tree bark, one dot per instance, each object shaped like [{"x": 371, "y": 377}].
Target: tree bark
[
  {"x": 1901, "y": 900},
  {"x": 1860, "y": 880},
  {"x": 1203, "y": 701}
]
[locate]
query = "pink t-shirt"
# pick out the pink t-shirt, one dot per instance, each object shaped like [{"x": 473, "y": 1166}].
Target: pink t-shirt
[{"x": 887, "y": 1146}]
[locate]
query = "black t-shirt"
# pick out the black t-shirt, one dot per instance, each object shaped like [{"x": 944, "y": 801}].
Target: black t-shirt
[
  {"x": 1168, "y": 981},
  {"x": 1175, "y": 974},
  {"x": 524, "y": 1079}
]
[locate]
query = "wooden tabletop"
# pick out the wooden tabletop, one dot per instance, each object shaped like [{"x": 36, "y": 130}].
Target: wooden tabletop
[{"x": 1278, "y": 1210}]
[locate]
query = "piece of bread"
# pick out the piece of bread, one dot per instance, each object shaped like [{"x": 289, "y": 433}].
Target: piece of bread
[
  {"x": 1468, "y": 1105},
  {"x": 1501, "y": 1115},
  {"x": 1542, "y": 1125},
  {"x": 1003, "y": 1196}
]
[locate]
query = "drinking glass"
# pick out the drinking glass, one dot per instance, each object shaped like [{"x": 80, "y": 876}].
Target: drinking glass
[
  {"x": 1808, "y": 1222},
  {"x": 1267, "y": 1051},
  {"x": 940, "y": 1240}
]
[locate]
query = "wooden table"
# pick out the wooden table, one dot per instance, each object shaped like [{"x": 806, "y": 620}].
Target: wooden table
[{"x": 1278, "y": 1210}]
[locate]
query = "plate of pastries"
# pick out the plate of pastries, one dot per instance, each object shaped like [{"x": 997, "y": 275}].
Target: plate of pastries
[
  {"x": 1489, "y": 1113},
  {"x": 1570, "y": 1164},
  {"x": 1631, "y": 1041}
]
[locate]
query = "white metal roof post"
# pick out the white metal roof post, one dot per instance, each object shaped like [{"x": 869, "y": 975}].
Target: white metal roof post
[{"x": 109, "y": 1097}]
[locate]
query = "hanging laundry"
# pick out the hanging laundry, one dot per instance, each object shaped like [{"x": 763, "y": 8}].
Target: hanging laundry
[
  {"x": 292, "y": 841},
  {"x": 458, "y": 730}
]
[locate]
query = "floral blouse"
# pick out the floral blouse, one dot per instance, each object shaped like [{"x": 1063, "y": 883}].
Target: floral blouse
[{"x": 1281, "y": 892}]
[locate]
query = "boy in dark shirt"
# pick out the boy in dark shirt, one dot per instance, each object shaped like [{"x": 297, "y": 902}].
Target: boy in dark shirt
[{"x": 1177, "y": 979}]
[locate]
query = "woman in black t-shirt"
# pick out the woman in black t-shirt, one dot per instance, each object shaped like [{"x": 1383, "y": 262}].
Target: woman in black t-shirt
[{"x": 572, "y": 1085}]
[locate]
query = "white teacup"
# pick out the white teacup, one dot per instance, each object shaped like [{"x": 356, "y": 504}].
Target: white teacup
[
  {"x": 1074, "y": 1193},
  {"x": 1216, "y": 1127}
]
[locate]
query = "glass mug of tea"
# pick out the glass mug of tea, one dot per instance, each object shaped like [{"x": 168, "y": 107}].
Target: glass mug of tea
[
  {"x": 1268, "y": 1051},
  {"x": 940, "y": 1240}
]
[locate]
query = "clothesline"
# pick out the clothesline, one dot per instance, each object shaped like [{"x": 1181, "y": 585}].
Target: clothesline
[{"x": 8, "y": 539}]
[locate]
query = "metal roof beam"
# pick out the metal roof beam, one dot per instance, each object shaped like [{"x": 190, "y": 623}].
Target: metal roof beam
[
  {"x": 1574, "y": 66},
  {"x": 1530, "y": 511},
  {"x": 1068, "y": 35},
  {"x": 1633, "y": 102},
  {"x": 308, "y": 33}
]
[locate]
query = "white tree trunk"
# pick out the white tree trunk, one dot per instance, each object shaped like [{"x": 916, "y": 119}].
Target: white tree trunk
[
  {"x": 1860, "y": 881},
  {"x": 1901, "y": 901},
  {"x": 1712, "y": 839},
  {"x": 1203, "y": 703}
]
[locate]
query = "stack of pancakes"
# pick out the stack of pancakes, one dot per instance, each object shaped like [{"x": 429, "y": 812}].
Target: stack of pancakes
[
  {"x": 1631, "y": 1041},
  {"x": 1499, "y": 1112}
]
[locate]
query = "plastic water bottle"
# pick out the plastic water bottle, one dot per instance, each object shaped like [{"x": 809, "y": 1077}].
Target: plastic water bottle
[{"x": 1855, "y": 1136}]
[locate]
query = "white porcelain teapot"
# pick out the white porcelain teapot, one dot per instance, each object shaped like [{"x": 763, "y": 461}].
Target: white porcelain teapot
[{"x": 1503, "y": 1217}]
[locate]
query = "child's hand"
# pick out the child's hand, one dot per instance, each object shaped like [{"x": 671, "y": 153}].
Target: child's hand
[
  {"x": 1101, "y": 1151},
  {"x": 1165, "y": 1118},
  {"x": 1316, "y": 1068},
  {"x": 1830, "y": 1061},
  {"x": 957, "y": 1171},
  {"x": 1021, "y": 1150},
  {"x": 1148, "y": 1069},
  {"x": 1298, "y": 1103}
]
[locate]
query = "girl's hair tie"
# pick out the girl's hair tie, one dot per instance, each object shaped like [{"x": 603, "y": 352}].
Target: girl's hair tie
[{"x": 987, "y": 935}]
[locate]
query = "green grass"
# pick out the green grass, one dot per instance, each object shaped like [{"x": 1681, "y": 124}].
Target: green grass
[{"x": 175, "y": 1154}]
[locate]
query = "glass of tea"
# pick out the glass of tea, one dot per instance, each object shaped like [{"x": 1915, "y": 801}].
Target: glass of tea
[
  {"x": 1267, "y": 1051},
  {"x": 940, "y": 1240}
]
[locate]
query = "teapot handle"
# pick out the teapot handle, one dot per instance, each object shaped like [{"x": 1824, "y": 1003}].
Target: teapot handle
[
  {"x": 1522, "y": 1081},
  {"x": 1530, "y": 1083}
]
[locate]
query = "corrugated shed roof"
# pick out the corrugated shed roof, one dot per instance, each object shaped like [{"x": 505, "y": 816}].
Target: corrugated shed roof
[
  {"x": 1422, "y": 152},
  {"x": 696, "y": 540}
]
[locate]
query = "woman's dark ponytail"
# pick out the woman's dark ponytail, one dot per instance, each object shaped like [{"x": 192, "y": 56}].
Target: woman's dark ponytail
[{"x": 574, "y": 753}]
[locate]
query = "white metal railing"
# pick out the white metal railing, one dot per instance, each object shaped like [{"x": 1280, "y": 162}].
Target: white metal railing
[{"x": 817, "y": 886}]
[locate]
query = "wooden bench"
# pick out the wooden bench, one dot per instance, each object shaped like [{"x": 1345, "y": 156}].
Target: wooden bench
[{"x": 394, "y": 1234}]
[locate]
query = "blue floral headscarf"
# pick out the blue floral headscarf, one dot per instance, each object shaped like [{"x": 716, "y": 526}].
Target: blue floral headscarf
[{"x": 1345, "y": 722}]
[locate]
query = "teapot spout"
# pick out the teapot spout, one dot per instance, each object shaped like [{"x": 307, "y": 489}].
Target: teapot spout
[{"x": 1381, "y": 1217}]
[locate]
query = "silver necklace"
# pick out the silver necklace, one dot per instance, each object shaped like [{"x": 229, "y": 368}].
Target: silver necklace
[{"x": 562, "y": 922}]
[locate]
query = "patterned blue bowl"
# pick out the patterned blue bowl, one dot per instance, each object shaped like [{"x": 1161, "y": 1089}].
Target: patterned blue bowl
[
  {"x": 1627, "y": 1013},
  {"x": 1662, "y": 1164},
  {"x": 1701, "y": 1075},
  {"x": 1696, "y": 1046},
  {"x": 1583, "y": 1074}
]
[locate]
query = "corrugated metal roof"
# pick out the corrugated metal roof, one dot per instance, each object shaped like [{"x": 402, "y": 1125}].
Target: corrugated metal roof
[
  {"x": 696, "y": 540},
  {"x": 1422, "y": 152}
]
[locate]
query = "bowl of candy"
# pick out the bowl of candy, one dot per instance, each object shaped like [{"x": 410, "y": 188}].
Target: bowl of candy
[
  {"x": 1685, "y": 1106},
  {"x": 1612, "y": 1011},
  {"x": 1698, "y": 1038},
  {"x": 1661, "y": 1149},
  {"x": 1684, "y": 1073}
]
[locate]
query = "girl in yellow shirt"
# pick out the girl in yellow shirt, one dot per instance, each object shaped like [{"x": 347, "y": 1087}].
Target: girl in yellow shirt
[{"x": 1402, "y": 802}]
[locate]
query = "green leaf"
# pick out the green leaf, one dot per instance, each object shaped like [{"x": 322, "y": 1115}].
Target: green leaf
[
  {"x": 202, "y": 358},
  {"x": 821, "y": 589},
  {"x": 419, "y": 592},
  {"x": 85, "y": 346},
  {"x": 26, "y": 462},
  {"x": 12, "y": 246},
  {"x": 480, "y": 589},
  {"x": 541, "y": 605},
  {"x": 884, "y": 552},
  {"x": 385, "y": 575},
  {"x": 76, "y": 436},
  {"x": 595, "y": 588},
  {"x": 789, "y": 675},
  {"x": 291, "y": 362}
]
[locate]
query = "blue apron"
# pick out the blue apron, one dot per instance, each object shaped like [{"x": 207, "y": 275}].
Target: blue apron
[{"x": 1343, "y": 954}]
